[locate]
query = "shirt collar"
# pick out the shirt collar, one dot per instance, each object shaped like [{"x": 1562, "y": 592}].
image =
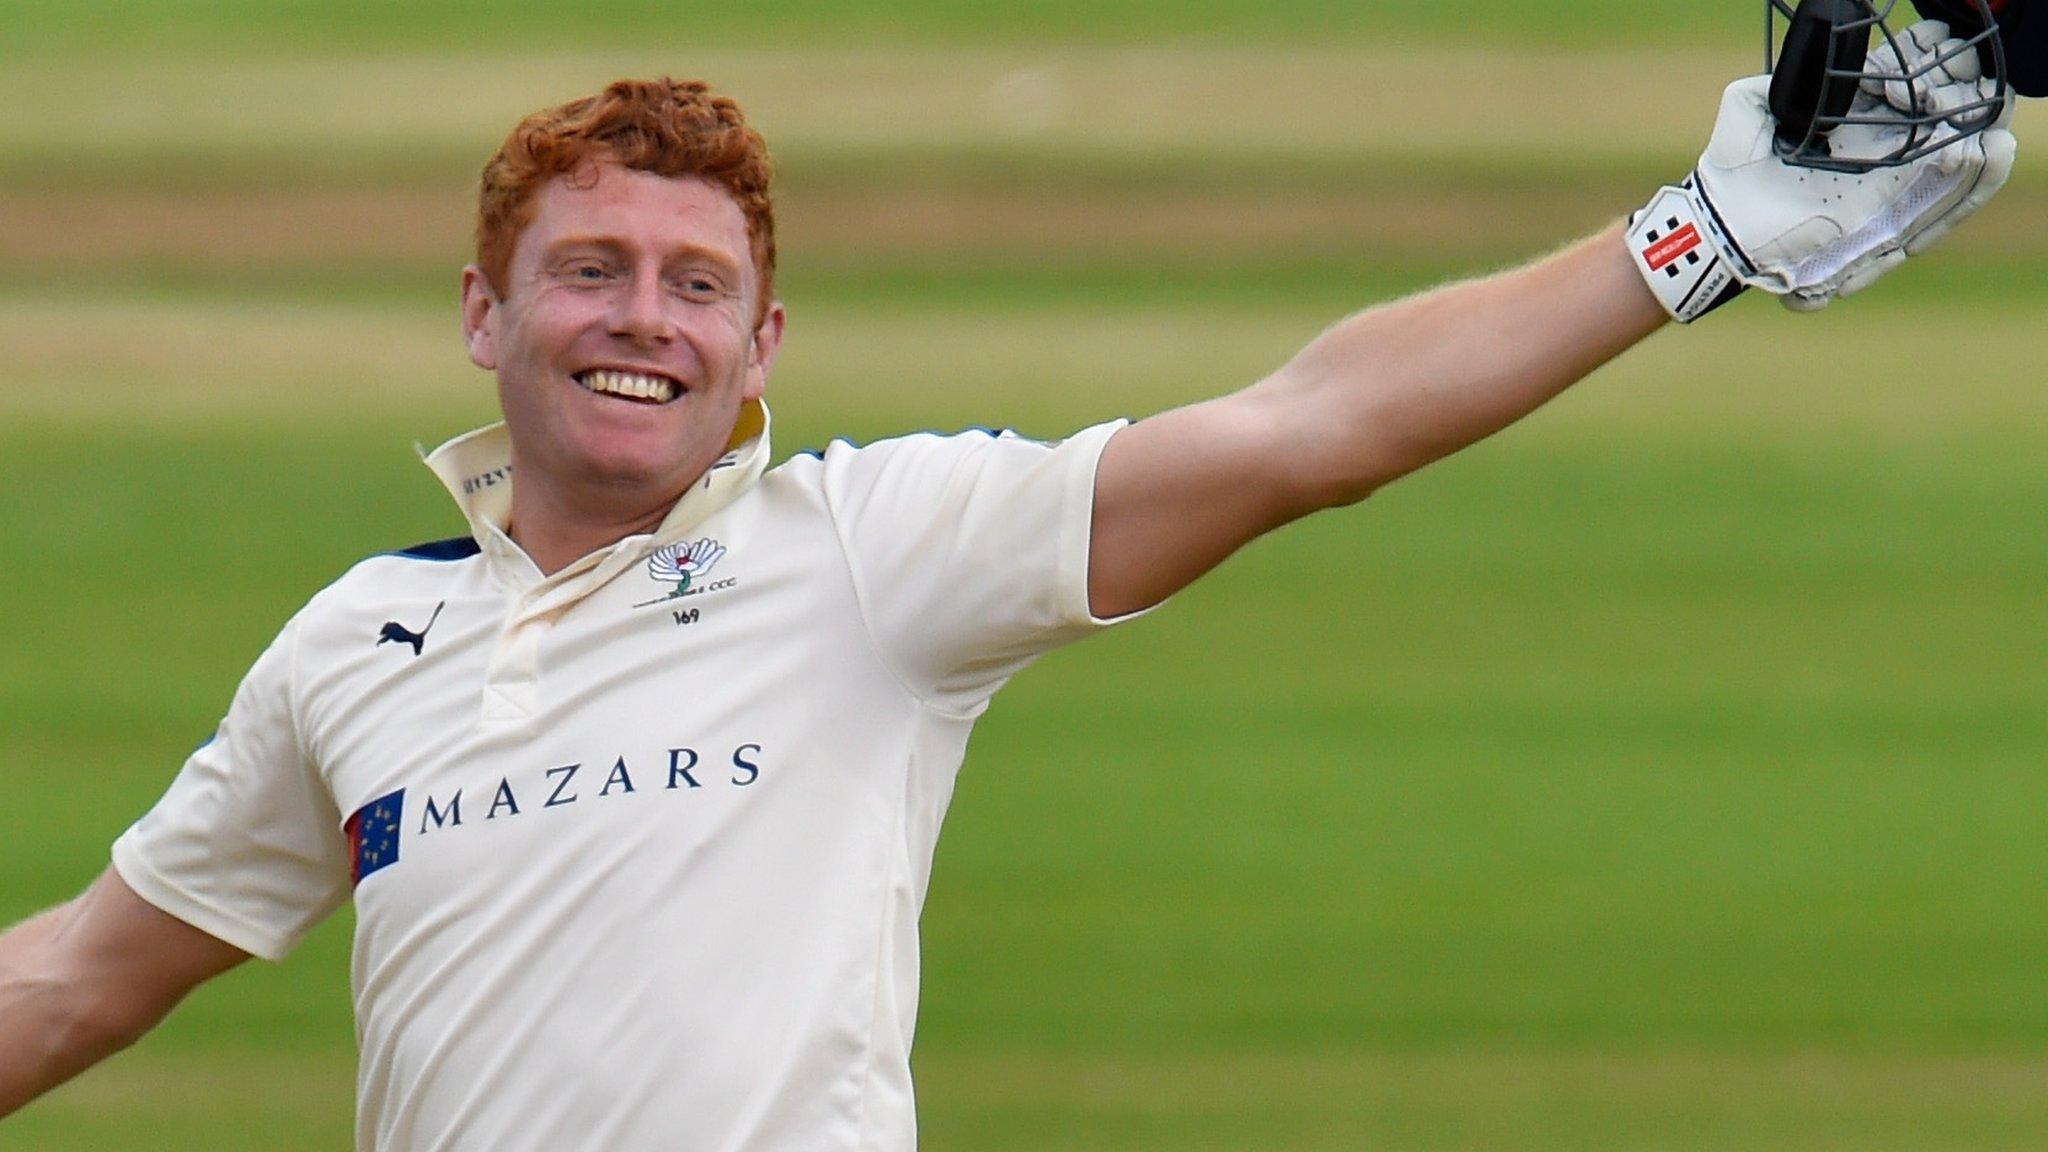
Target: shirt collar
[{"x": 476, "y": 468}]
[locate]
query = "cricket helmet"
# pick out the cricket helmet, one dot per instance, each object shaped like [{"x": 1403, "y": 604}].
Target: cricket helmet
[{"x": 1834, "y": 56}]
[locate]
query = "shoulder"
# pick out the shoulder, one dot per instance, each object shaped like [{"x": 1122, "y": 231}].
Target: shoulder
[
  {"x": 923, "y": 455},
  {"x": 970, "y": 438},
  {"x": 435, "y": 561},
  {"x": 438, "y": 551},
  {"x": 915, "y": 483},
  {"x": 905, "y": 475},
  {"x": 430, "y": 568}
]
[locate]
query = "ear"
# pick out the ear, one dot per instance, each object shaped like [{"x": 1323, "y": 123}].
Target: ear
[
  {"x": 480, "y": 318},
  {"x": 761, "y": 356}
]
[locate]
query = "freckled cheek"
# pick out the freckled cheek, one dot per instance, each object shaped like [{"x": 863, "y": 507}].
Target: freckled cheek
[
  {"x": 720, "y": 339},
  {"x": 562, "y": 321}
]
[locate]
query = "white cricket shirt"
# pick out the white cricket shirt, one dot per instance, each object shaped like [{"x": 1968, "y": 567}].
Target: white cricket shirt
[{"x": 637, "y": 849}]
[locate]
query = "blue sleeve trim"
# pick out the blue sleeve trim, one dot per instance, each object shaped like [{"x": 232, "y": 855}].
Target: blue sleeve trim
[{"x": 454, "y": 548}]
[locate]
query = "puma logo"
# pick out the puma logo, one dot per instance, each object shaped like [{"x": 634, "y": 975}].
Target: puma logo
[{"x": 394, "y": 632}]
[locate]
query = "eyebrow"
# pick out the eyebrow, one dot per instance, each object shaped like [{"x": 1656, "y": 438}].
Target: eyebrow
[{"x": 686, "y": 253}]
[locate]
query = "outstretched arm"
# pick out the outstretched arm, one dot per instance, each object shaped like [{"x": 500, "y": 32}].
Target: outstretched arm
[
  {"x": 1374, "y": 398},
  {"x": 86, "y": 979},
  {"x": 1391, "y": 389}
]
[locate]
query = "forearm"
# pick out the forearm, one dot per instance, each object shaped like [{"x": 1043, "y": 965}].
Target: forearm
[
  {"x": 48, "y": 1030},
  {"x": 1396, "y": 387}
]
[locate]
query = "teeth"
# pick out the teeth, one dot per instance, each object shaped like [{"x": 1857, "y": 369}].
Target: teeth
[{"x": 633, "y": 385}]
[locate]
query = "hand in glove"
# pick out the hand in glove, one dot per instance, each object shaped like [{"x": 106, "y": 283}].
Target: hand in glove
[{"x": 1746, "y": 218}]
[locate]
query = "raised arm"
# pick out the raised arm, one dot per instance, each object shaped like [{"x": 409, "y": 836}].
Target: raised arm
[
  {"x": 1393, "y": 388},
  {"x": 1374, "y": 398},
  {"x": 86, "y": 979}
]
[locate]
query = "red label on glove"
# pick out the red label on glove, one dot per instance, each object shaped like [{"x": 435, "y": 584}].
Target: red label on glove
[{"x": 1672, "y": 247}]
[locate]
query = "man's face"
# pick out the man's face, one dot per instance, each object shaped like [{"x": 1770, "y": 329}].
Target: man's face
[{"x": 626, "y": 340}]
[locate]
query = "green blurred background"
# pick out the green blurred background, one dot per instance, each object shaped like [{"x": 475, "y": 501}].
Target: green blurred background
[{"x": 1666, "y": 773}]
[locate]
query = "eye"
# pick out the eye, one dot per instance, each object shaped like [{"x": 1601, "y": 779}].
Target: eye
[
  {"x": 699, "y": 287},
  {"x": 585, "y": 272}
]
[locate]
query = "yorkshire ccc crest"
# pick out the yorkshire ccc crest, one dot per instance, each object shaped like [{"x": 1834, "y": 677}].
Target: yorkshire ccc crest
[{"x": 682, "y": 564}]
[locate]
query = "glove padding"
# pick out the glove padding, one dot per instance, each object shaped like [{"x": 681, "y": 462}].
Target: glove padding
[{"x": 1808, "y": 236}]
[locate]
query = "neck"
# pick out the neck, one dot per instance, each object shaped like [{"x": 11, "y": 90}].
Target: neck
[{"x": 555, "y": 530}]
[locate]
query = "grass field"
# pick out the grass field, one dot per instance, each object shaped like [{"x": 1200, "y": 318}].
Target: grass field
[
  {"x": 151, "y": 27},
  {"x": 1664, "y": 774}
]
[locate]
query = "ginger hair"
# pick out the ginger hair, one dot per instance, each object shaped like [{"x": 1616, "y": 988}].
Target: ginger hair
[{"x": 668, "y": 127}]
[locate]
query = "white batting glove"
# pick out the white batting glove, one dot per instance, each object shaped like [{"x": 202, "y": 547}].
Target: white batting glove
[{"x": 1745, "y": 218}]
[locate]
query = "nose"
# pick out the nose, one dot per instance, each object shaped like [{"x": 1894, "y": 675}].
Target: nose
[{"x": 639, "y": 311}]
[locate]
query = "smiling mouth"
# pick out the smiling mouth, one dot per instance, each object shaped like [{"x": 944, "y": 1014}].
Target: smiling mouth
[{"x": 635, "y": 386}]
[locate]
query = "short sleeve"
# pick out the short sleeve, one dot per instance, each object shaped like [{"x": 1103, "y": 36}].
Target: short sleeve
[
  {"x": 969, "y": 553},
  {"x": 246, "y": 844}
]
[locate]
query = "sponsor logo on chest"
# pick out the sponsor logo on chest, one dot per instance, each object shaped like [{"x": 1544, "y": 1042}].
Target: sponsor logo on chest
[{"x": 379, "y": 830}]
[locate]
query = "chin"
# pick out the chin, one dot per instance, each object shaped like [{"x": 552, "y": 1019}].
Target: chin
[
  {"x": 639, "y": 460},
  {"x": 636, "y": 471},
  {"x": 666, "y": 468}
]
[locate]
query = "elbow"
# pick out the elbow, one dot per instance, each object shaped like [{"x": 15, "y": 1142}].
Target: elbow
[
  {"x": 1320, "y": 488},
  {"x": 108, "y": 1007},
  {"x": 1340, "y": 454},
  {"x": 54, "y": 1031},
  {"x": 60, "y": 1014},
  {"x": 103, "y": 1021},
  {"x": 77, "y": 1023},
  {"x": 1343, "y": 463}
]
